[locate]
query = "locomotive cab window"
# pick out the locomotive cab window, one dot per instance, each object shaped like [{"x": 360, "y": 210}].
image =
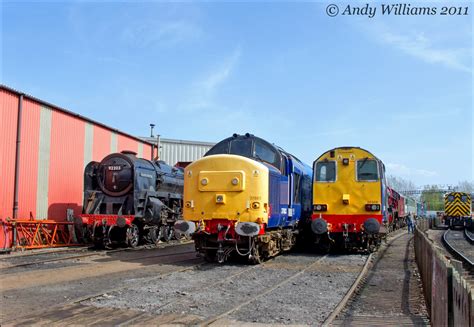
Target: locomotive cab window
[
  {"x": 296, "y": 188},
  {"x": 450, "y": 198},
  {"x": 241, "y": 147},
  {"x": 367, "y": 170},
  {"x": 325, "y": 171},
  {"x": 464, "y": 198},
  {"x": 219, "y": 148},
  {"x": 265, "y": 153}
]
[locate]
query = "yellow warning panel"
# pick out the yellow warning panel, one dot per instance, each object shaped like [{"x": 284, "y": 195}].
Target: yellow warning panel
[{"x": 222, "y": 181}]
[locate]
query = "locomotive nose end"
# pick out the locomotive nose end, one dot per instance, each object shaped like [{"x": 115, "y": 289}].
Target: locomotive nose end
[
  {"x": 319, "y": 226},
  {"x": 372, "y": 226},
  {"x": 184, "y": 227}
]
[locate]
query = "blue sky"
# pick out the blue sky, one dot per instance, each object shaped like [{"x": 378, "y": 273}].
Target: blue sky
[{"x": 400, "y": 87}]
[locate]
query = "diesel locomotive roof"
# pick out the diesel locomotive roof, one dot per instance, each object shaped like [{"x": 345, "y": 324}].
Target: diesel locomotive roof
[
  {"x": 250, "y": 146},
  {"x": 348, "y": 148}
]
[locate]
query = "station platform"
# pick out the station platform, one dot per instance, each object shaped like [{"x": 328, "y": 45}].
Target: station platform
[{"x": 392, "y": 294}]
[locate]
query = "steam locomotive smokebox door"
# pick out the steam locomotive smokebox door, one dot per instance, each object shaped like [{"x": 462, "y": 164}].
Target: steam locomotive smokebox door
[{"x": 116, "y": 175}]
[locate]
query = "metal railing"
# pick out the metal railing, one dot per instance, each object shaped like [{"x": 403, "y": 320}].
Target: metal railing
[{"x": 449, "y": 296}]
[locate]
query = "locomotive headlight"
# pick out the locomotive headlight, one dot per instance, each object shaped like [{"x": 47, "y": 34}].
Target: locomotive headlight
[
  {"x": 255, "y": 205},
  {"x": 204, "y": 181},
  {"x": 220, "y": 198},
  {"x": 372, "y": 207},
  {"x": 189, "y": 204},
  {"x": 235, "y": 181},
  {"x": 320, "y": 207}
]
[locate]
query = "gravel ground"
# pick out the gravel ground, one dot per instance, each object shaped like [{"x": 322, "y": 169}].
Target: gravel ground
[
  {"x": 22, "y": 292},
  {"x": 246, "y": 293}
]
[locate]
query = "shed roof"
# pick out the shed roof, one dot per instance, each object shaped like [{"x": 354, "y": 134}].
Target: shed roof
[{"x": 71, "y": 113}]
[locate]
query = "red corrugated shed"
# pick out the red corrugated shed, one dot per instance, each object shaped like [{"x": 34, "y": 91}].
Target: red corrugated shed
[
  {"x": 29, "y": 155},
  {"x": 55, "y": 146},
  {"x": 125, "y": 143},
  {"x": 101, "y": 146},
  {"x": 66, "y": 166},
  {"x": 8, "y": 122}
]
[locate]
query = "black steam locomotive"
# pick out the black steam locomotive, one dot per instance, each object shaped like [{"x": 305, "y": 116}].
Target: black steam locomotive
[{"x": 130, "y": 200}]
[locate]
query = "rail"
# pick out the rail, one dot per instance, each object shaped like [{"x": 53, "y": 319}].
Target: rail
[
  {"x": 469, "y": 236},
  {"x": 456, "y": 251}
]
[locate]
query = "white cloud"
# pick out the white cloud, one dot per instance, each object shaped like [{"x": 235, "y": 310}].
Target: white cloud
[
  {"x": 420, "y": 46},
  {"x": 433, "y": 43},
  {"x": 205, "y": 89},
  {"x": 168, "y": 33},
  {"x": 402, "y": 170}
]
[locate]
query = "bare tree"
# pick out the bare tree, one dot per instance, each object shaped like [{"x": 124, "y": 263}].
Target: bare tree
[
  {"x": 465, "y": 186},
  {"x": 400, "y": 184}
]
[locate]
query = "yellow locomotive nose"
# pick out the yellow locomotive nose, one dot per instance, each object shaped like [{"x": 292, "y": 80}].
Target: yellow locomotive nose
[{"x": 228, "y": 187}]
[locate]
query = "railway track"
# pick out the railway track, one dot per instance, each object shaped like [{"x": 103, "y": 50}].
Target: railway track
[
  {"x": 459, "y": 243},
  {"x": 213, "y": 300},
  {"x": 261, "y": 294},
  {"x": 359, "y": 282},
  {"x": 76, "y": 313},
  {"x": 38, "y": 259},
  {"x": 469, "y": 236}
]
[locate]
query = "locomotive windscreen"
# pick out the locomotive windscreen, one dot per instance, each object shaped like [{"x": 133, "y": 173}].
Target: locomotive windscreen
[{"x": 248, "y": 146}]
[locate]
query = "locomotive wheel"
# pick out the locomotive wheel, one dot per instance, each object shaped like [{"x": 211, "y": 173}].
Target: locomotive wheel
[
  {"x": 153, "y": 236},
  {"x": 210, "y": 255},
  {"x": 99, "y": 244},
  {"x": 133, "y": 235},
  {"x": 165, "y": 233},
  {"x": 257, "y": 257}
]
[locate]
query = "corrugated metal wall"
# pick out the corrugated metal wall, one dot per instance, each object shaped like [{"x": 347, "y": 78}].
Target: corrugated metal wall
[
  {"x": 173, "y": 151},
  {"x": 126, "y": 144},
  {"x": 66, "y": 166},
  {"x": 8, "y": 122},
  {"x": 54, "y": 149},
  {"x": 101, "y": 146}
]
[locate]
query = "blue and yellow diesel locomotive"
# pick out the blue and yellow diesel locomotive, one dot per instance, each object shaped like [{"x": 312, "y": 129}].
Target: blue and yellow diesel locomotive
[{"x": 245, "y": 197}]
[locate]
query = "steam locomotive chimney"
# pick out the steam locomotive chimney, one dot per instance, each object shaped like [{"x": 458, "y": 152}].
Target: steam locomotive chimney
[{"x": 151, "y": 127}]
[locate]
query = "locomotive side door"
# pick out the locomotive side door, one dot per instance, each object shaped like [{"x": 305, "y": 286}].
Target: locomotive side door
[
  {"x": 289, "y": 191},
  {"x": 296, "y": 203}
]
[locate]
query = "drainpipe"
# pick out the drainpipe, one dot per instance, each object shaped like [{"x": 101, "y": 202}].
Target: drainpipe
[
  {"x": 17, "y": 158},
  {"x": 158, "y": 147},
  {"x": 152, "y": 146}
]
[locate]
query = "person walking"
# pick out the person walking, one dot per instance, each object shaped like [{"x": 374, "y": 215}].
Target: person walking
[{"x": 410, "y": 223}]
